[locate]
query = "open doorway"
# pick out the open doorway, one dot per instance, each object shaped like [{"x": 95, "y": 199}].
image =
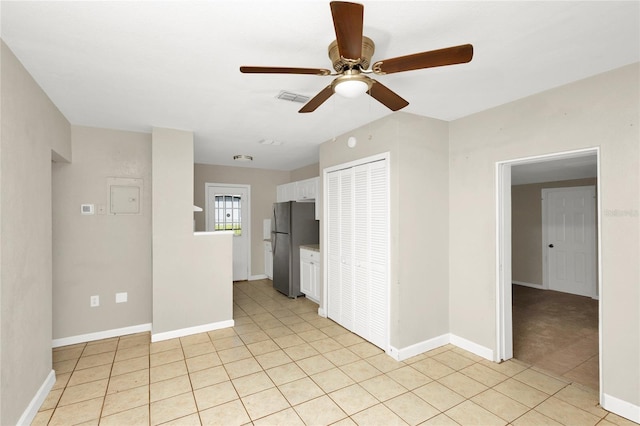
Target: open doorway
[{"x": 540, "y": 321}]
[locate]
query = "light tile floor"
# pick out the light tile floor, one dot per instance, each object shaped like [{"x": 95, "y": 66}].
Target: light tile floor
[{"x": 282, "y": 364}]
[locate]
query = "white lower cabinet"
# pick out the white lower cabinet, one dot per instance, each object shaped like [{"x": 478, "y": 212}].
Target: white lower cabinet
[
  {"x": 310, "y": 274},
  {"x": 358, "y": 250},
  {"x": 268, "y": 260}
]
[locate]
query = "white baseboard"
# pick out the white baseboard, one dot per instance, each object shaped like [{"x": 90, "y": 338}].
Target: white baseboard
[
  {"x": 99, "y": 335},
  {"x": 621, "y": 408},
  {"x": 436, "y": 342},
  {"x": 322, "y": 313},
  {"x": 257, "y": 277},
  {"x": 472, "y": 347},
  {"x": 32, "y": 409},
  {"x": 157, "y": 337},
  {"x": 418, "y": 348},
  {"x": 522, "y": 283}
]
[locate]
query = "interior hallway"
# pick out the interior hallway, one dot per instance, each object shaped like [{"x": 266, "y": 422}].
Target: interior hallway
[
  {"x": 283, "y": 364},
  {"x": 557, "y": 332}
]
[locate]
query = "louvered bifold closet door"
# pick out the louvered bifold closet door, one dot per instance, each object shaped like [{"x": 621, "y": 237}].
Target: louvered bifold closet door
[
  {"x": 378, "y": 233},
  {"x": 346, "y": 248},
  {"x": 362, "y": 252},
  {"x": 357, "y": 232},
  {"x": 334, "y": 290}
]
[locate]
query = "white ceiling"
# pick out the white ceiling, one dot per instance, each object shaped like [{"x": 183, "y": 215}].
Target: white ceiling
[
  {"x": 571, "y": 167},
  {"x": 136, "y": 65}
]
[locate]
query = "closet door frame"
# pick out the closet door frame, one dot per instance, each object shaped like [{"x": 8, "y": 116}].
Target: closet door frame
[{"x": 323, "y": 311}]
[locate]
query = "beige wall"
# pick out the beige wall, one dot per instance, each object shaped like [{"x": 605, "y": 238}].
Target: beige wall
[
  {"x": 601, "y": 111},
  {"x": 100, "y": 254},
  {"x": 526, "y": 228},
  {"x": 419, "y": 200},
  {"x": 31, "y": 126},
  {"x": 424, "y": 229},
  {"x": 307, "y": 172},
  {"x": 192, "y": 274},
  {"x": 263, "y": 194}
]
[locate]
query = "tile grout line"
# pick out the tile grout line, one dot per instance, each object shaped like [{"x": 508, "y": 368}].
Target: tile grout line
[{"x": 262, "y": 310}]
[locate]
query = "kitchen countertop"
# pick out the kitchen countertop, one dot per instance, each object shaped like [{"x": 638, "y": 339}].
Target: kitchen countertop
[{"x": 314, "y": 247}]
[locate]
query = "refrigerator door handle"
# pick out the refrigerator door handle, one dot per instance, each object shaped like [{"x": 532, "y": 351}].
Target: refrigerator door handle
[
  {"x": 274, "y": 230},
  {"x": 273, "y": 242},
  {"x": 274, "y": 221}
]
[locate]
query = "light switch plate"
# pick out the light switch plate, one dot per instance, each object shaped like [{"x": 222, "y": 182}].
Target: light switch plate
[{"x": 121, "y": 297}]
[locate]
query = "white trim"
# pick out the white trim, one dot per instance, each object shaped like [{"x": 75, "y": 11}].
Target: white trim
[
  {"x": 248, "y": 215},
  {"x": 322, "y": 313},
  {"x": 418, "y": 348},
  {"x": 38, "y": 399},
  {"x": 599, "y": 272},
  {"x": 257, "y": 277},
  {"x": 583, "y": 152},
  {"x": 358, "y": 162},
  {"x": 472, "y": 347},
  {"x": 99, "y": 335},
  {"x": 532, "y": 285},
  {"x": 621, "y": 408},
  {"x": 504, "y": 325},
  {"x": 157, "y": 337},
  {"x": 436, "y": 342}
]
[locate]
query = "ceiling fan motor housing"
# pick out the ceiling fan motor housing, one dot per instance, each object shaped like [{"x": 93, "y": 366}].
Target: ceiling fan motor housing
[{"x": 340, "y": 64}]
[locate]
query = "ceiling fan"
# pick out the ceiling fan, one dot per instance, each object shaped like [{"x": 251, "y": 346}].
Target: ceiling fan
[{"x": 351, "y": 54}]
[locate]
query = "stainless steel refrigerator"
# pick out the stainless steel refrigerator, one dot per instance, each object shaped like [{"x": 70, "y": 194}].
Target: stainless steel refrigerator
[{"x": 293, "y": 224}]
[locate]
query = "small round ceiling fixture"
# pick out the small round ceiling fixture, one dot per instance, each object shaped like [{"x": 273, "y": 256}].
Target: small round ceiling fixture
[{"x": 242, "y": 157}]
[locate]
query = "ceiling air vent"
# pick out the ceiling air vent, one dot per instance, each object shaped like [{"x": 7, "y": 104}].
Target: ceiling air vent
[
  {"x": 270, "y": 142},
  {"x": 293, "y": 97}
]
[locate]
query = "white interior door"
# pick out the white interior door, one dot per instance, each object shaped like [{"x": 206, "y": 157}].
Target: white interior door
[
  {"x": 569, "y": 232},
  {"x": 228, "y": 210}
]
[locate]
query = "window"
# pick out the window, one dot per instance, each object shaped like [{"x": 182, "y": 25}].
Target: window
[{"x": 228, "y": 213}]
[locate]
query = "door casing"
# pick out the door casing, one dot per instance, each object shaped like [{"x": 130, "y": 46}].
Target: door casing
[{"x": 504, "y": 333}]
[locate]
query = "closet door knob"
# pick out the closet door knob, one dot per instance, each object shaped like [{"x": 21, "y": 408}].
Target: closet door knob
[{"x": 550, "y": 245}]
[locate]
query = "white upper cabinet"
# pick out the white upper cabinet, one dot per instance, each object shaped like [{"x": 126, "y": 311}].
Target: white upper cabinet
[
  {"x": 302, "y": 190},
  {"x": 286, "y": 192},
  {"x": 307, "y": 189}
]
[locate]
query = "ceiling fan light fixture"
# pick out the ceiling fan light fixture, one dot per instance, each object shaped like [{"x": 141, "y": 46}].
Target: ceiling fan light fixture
[
  {"x": 352, "y": 84},
  {"x": 351, "y": 88}
]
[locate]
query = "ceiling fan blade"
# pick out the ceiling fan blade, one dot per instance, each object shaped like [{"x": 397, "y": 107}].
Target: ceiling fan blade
[
  {"x": 386, "y": 96},
  {"x": 317, "y": 100},
  {"x": 347, "y": 21},
  {"x": 283, "y": 70},
  {"x": 434, "y": 58}
]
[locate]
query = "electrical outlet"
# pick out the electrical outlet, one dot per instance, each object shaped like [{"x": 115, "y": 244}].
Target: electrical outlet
[
  {"x": 94, "y": 301},
  {"x": 121, "y": 297}
]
